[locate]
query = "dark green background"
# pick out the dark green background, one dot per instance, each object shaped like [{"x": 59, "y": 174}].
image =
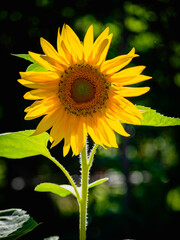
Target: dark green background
[{"x": 142, "y": 198}]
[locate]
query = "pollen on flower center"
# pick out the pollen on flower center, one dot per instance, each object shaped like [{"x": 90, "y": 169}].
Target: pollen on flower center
[{"x": 83, "y": 90}]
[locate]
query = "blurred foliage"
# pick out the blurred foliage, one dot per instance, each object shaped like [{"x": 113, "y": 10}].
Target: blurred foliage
[{"x": 142, "y": 198}]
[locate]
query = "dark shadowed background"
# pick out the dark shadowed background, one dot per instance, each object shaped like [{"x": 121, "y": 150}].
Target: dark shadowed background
[{"x": 142, "y": 198}]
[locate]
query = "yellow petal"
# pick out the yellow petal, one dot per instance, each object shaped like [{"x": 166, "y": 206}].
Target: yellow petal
[
  {"x": 69, "y": 56},
  {"x": 117, "y": 126},
  {"x": 50, "y": 51},
  {"x": 132, "y": 92},
  {"x": 130, "y": 107},
  {"x": 103, "y": 50},
  {"x": 129, "y": 80},
  {"x": 82, "y": 130},
  {"x": 97, "y": 43},
  {"x": 101, "y": 37},
  {"x": 129, "y": 72},
  {"x": 66, "y": 148},
  {"x": 37, "y": 112},
  {"x": 59, "y": 39},
  {"x": 99, "y": 131},
  {"x": 121, "y": 104},
  {"x": 46, "y": 85},
  {"x": 88, "y": 42},
  {"x": 99, "y": 52},
  {"x": 29, "y": 96},
  {"x": 67, "y": 133},
  {"x": 80, "y": 135},
  {"x": 113, "y": 65},
  {"x": 51, "y": 101},
  {"x": 59, "y": 67},
  {"x": 69, "y": 127},
  {"x": 67, "y": 44},
  {"x": 73, "y": 139},
  {"x": 93, "y": 131},
  {"x": 123, "y": 116},
  {"x": 107, "y": 135},
  {"x": 62, "y": 48},
  {"x": 39, "y": 94},
  {"x": 94, "y": 135},
  {"x": 43, "y": 62},
  {"x": 47, "y": 122},
  {"x": 40, "y": 76},
  {"x": 57, "y": 132},
  {"x": 75, "y": 42}
]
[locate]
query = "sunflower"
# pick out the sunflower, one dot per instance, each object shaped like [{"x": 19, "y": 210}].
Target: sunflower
[{"x": 81, "y": 92}]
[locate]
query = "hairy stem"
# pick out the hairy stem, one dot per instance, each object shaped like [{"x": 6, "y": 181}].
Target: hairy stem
[
  {"x": 84, "y": 194},
  {"x": 85, "y": 168}
]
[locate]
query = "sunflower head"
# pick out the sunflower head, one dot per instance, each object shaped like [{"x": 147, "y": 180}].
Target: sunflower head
[{"x": 81, "y": 92}]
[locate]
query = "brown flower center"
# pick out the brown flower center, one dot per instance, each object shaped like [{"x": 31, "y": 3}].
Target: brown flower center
[{"x": 83, "y": 90}]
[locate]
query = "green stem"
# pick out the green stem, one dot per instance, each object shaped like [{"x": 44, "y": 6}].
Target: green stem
[
  {"x": 83, "y": 199},
  {"x": 84, "y": 194},
  {"x": 85, "y": 168}
]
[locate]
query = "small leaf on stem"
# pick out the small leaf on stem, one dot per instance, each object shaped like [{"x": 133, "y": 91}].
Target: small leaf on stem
[
  {"x": 98, "y": 182},
  {"x": 61, "y": 190}
]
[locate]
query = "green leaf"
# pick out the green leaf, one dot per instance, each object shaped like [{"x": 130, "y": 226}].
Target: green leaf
[
  {"x": 152, "y": 118},
  {"x": 25, "y": 56},
  {"x": 61, "y": 190},
  {"x": 64, "y": 190},
  {"x": 36, "y": 67},
  {"x": 15, "y": 223},
  {"x": 22, "y": 144},
  {"x": 32, "y": 67},
  {"x": 52, "y": 238},
  {"x": 98, "y": 182}
]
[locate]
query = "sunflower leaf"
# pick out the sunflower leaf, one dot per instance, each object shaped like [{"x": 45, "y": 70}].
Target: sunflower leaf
[
  {"x": 15, "y": 223},
  {"x": 22, "y": 144},
  {"x": 155, "y": 119},
  {"x": 52, "y": 238},
  {"x": 61, "y": 190},
  {"x": 36, "y": 67},
  {"x": 98, "y": 182},
  {"x": 24, "y": 56}
]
